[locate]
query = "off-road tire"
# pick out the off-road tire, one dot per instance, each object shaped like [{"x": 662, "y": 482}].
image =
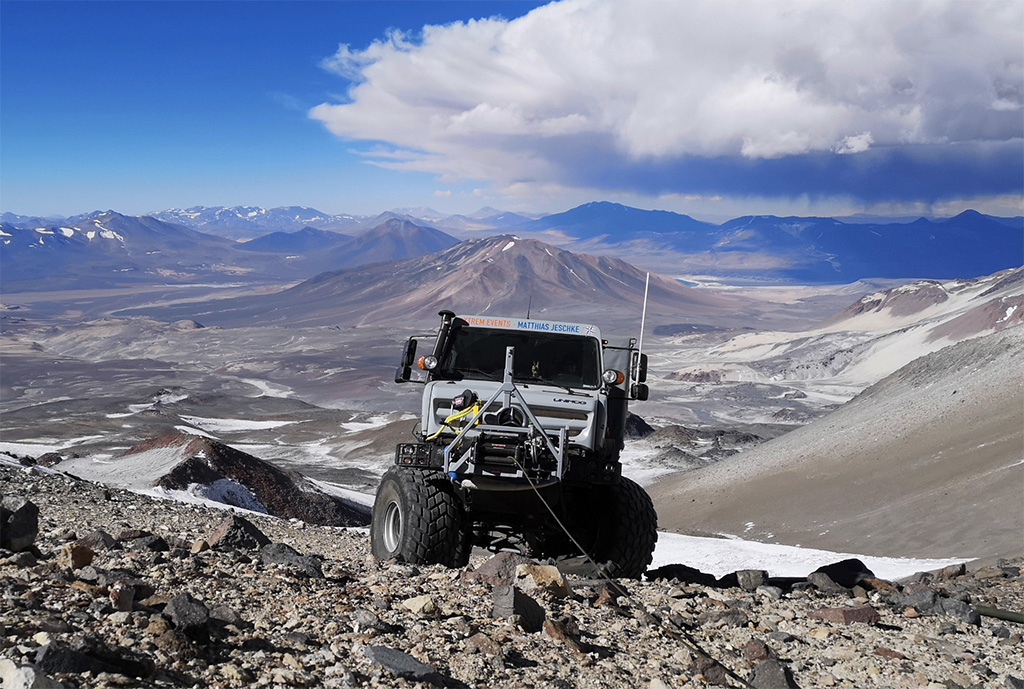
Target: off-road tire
[
  {"x": 628, "y": 530},
  {"x": 417, "y": 519}
]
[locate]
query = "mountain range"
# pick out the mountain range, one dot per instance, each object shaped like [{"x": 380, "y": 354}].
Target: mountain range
[
  {"x": 113, "y": 250},
  {"x": 499, "y": 275},
  {"x": 109, "y": 249}
]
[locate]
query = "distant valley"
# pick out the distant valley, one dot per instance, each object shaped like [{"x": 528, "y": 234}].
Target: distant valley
[{"x": 277, "y": 331}]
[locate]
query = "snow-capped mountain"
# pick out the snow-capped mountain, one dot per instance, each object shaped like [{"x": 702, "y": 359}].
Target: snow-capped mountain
[
  {"x": 247, "y": 222},
  {"x": 112, "y": 250},
  {"x": 109, "y": 249}
]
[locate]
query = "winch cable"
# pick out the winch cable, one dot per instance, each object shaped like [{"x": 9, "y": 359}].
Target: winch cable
[{"x": 682, "y": 636}]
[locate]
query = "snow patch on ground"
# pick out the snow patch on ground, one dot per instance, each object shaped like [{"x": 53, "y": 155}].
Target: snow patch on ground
[
  {"x": 378, "y": 421},
  {"x": 44, "y": 445},
  {"x": 717, "y": 556},
  {"x": 228, "y": 425},
  {"x": 189, "y": 430},
  {"x": 268, "y": 389},
  {"x": 228, "y": 492},
  {"x": 720, "y": 556},
  {"x": 341, "y": 492}
]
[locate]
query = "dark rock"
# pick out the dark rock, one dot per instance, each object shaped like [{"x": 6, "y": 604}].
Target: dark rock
[
  {"x": 151, "y": 542},
  {"x": 756, "y": 650},
  {"x": 950, "y": 572},
  {"x": 49, "y": 459},
  {"x": 98, "y": 540},
  {"x": 227, "y": 615},
  {"x": 846, "y": 573},
  {"x": 771, "y": 674},
  {"x": 922, "y": 599},
  {"x": 1013, "y": 682},
  {"x": 86, "y": 654},
  {"x": 23, "y": 559},
  {"x": 190, "y": 616},
  {"x": 499, "y": 570},
  {"x": 282, "y": 554},
  {"x": 19, "y": 523},
  {"x": 481, "y": 643},
  {"x": 174, "y": 642},
  {"x": 750, "y": 579},
  {"x": 509, "y": 601},
  {"x": 825, "y": 583},
  {"x": 401, "y": 664},
  {"x": 960, "y": 610},
  {"x": 636, "y": 427},
  {"x": 845, "y": 615},
  {"x": 564, "y": 629},
  {"x": 711, "y": 669},
  {"x": 297, "y": 639},
  {"x": 730, "y": 617},
  {"x": 683, "y": 574},
  {"x": 133, "y": 534},
  {"x": 100, "y": 607},
  {"x": 237, "y": 533}
]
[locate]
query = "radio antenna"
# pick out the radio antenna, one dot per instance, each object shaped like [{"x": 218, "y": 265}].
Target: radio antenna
[{"x": 643, "y": 316}]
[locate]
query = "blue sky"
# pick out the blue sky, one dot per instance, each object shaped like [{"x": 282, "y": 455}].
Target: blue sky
[{"x": 715, "y": 109}]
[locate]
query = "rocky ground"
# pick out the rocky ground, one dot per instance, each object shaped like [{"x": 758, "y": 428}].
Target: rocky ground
[{"x": 117, "y": 589}]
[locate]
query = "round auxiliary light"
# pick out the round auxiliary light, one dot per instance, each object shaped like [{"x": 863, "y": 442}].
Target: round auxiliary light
[
  {"x": 427, "y": 363},
  {"x": 613, "y": 377}
]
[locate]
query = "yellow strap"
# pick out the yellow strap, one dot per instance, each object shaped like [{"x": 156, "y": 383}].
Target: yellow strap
[{"x": 468, "y": 411}]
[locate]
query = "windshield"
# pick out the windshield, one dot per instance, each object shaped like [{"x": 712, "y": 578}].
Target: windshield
[{"x": 479, "y": 353}]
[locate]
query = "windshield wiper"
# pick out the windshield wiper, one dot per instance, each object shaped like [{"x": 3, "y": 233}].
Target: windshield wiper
[
  {"x": 544, "y": 381},
  {"x": 489, "y": 375}
]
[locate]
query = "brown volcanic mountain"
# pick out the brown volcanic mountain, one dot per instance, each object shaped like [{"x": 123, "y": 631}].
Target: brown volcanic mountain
[{"x": 499, "y": 275}]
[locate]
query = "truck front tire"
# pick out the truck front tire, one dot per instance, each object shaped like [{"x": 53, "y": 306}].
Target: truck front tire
[
  {"x": 417, "y": 519},
  {"x": 628, "y": 530}
]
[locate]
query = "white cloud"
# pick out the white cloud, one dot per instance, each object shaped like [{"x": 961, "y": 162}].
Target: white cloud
[
  {"x": 522, "y": 102},
  {"x": 855, "y": 144}
]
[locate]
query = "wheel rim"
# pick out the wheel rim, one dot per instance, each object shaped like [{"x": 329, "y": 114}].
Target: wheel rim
[{"x": 392, "y": 531}]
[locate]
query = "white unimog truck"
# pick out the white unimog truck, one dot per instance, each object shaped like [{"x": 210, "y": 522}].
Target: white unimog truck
[{"x": 518, "y": 448}]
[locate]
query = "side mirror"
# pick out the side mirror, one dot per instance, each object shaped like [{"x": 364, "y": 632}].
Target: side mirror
[
  {"x": 404, "y": 371},
  {"x": 638, "y": 367},
  {"x": 639, "y": 391}
]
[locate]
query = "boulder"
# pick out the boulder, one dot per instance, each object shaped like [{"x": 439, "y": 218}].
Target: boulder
[
  {"x": 510, "y": 601},
  {"x": 237, "y": 533},
  {"x": 19, "y": 523}
]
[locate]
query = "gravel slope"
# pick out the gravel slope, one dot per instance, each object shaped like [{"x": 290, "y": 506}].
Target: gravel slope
[
  {"x": 149, "y": 605},
  {"x": 929, "y": 462}
]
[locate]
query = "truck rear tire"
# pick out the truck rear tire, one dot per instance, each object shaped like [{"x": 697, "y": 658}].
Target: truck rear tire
[
  {"x": 628, "y": 530},
  {"x": 417, "y": 519}
]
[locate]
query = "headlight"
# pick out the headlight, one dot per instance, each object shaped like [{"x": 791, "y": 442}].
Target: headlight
[
  {"x": 427, "y": 363},
  {"x": 613, "y": 377}
]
